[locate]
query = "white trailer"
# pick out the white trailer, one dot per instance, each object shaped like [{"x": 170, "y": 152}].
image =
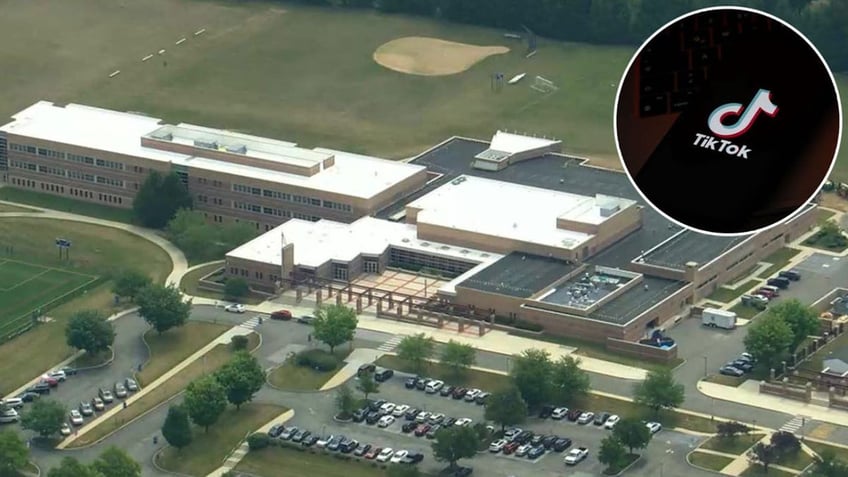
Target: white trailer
[{"x": 715, "y": 318}]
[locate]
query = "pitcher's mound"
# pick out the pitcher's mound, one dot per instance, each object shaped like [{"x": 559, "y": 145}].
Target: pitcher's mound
[{"x": 432, "y": 57}]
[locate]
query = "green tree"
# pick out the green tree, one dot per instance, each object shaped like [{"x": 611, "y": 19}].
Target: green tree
[
  {"x": 416, "y": 350},
  {"x": 764, "y": 455},
  {"x": 827, "y": 465},
  {"x": 531, "y": 373},
  {"x": 176, "y": 429},
  {"x": 205, "y": 401},
  {"x": 203, "y": 241},
  {"x": 88, "y": 330},
  {"x": 454, "y": 443},
  {"x": 731, "y": 429},
  {"x": 242, "y": 377},
  {"x": 768, "y": 340},
  {"x": 632, "y": 433},
  {"x": 458, "y": 357},
  {"x": 658, "y": 391},
  {"x": 568, "y": 381},
  {"x": 612, "y": 452},
  {"x": 334, "y": 325},
  {"x": 163, "y": 307},
  {"x": 44, "y": 417},
  {"x": 14, "y": 454},
  {"x": 115, "y": 462},
  {"x": 345, "y": 402},
  {"x": 802, "y": 320},
  {"x": 158, "y": 199},
  {"x": 366, "y": 384},
  {"x": 235, "y": 288},
  {"x": 127, "y": 283},
  {"x": 70, "y": 467},
  {"x": 506, "y": 408}
]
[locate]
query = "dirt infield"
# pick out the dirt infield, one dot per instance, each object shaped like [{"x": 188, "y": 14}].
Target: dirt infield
[{"x": 432, "y": 57}]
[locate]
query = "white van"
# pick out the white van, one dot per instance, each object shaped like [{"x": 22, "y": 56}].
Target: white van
[{"x": 8, "y": 416}]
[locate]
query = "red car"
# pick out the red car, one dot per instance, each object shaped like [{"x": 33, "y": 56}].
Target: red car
[
  {"x": 422, "y": 429},
  {"x": 510, "y": 448},
  {"x": 284, "y": 315},
  {"x": 574, "y": 414},
  {"x": 53, "y": 382},
  {"x": 374, "y": 452},
  {"x": 459, "y": 393}
]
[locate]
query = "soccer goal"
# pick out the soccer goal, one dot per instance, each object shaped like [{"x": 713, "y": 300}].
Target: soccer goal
[{"x": 543, "y": 85}]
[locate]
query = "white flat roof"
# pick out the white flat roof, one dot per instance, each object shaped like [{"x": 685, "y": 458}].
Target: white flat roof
[
  {"x": 513, "y": 143},
  {"x": 504, "y": 209},
  {"x": 118, "y": 132},
  {"x": 316, "y": 243}
]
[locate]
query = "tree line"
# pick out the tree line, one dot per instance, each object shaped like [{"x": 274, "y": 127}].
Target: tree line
[{"x": 622, "y": 22}]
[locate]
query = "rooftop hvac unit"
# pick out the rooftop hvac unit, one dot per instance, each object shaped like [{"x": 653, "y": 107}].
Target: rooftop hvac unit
[
  {"x": 206, "y": 144},
  {"x": 608, "y": 210},
  {"x": 164, "y": 137},
  {"x": 237, "y": 149}
]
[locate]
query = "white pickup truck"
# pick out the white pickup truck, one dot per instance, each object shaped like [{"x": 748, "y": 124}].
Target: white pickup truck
[{"x": 574, "y": 456}]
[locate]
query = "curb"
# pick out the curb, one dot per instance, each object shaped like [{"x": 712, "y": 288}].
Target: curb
[
  {"x": 156, "y": 466},
  {"x": 37, "y": 468},
  {"x": 101, "y": 365},
  {"x": 145, "y": 413},
  {"x": 147, "y": 360},
  {"x": 698, "y": 466}
]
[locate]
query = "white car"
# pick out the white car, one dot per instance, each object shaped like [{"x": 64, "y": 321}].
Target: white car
[
  {"x": 523, "y": 450},
  {"x": 586, "y": 417},
  {"x": 654, "y": 427},
  {"x": 472, "y": 394},
  {"x": 235, "y": 308},
  {"x": 434, "y": 386},
  {"x": 322, "y": 442},
  {"x": 13, "y": 403},
  {"x": 58, "y": 375},
  {"x": 386, "y": 421},
  {"x": 559, "y": 413},
  {"x": 612, "y": 421},
  {"x": 385, "y": 454},
  {"x": 398, "y": 457},
  {"x": 65, "y": 430},
  {"x": 76, "y": 417},
  {"x": 511, "y": 433},
  {"x": 9, "y": 416},
  {"x": 574, "y": 456},
  {"x": 387, "y": 408},
  {"x": 422, "y": 417},
  {"x": 400, "y": 410},
  {"x": 462, "y": 422},
  {"x": 497, "y": 446}
]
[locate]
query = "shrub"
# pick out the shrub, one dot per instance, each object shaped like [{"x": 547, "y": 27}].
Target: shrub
[
  {"x": 235, "y": 288},
  {"x": 317, "y": 359},
  {"x": 239, "y": 342},
  {"x": 258, "y": 440},
  {"x": 528, "y": 326}
]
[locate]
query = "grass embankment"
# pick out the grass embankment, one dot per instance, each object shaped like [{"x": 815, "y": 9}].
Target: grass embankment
[
  {"x": 191, "y": 280},
  {"x": 778, "y": 261},
  {"x": 291, "y": 377},
  {"x": 174, "y": 346},
  {"x": 732, "y": 445},
  {"x": 64, "y": 204},
  {"x": 599, "y": 351},
  {"x": 268, "y": 462},
  {"x": 726, "y": 295},
  {"x": 709, "y": 461},
  {"x": 16, "y": 208}
]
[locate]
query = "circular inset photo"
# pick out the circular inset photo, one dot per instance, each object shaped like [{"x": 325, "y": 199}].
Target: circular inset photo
[{"x": 728, "y": 120}]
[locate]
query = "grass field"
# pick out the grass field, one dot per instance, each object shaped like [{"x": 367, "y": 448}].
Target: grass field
[
  {"x": 25, "y": 287},
  {"x": 709, "y": 461},
  {"x": 290, "y": 376},
  {"x": 190, "y": 281},
  {"x": 778, "y": 260},
  {"x": 841, "y": 453},
  {"x": 65, "y": 204},
  {"x": 15, "y": 208},
  {"x": 726, "y": 295},
  {"x": 268, "y": 462},
  {"x": 732, "y": 445},
  {"x": 757, "y": 470},
  {"x": 174, "y": 346},
  {"x": 96, "y": 250}
]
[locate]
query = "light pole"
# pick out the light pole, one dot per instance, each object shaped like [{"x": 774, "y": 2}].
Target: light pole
[{"x": 706, "y": 374}]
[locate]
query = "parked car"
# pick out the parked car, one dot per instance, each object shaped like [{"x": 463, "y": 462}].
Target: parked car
[
  {"x": 546, "y": 411},
  {"x": 120, "y": 390},
  {"x": 9, "y": 416},
  {"x": 654, "y": 427},
  {"x": 50, "y": 380},
  {"x": 300, "y": 435},
  {"x": 422, "y": 416},
  {"x": 612, "y": 421},
  {"x": 13, "y": 403},
  {"x": 408, "y": 427},
  {"x": 434, "y": 386},
  {"x": 422, "y": 383},
  {"x": 400, "y": 410},
  {"x": 601, "y": 418},
  {"x": 742, "y": 365},
  {"x": 288, "y": 432},
  {"x": 386, "y": 421},
  {"x": 536, "y": 440},
  {"x": 58, "y": 375},
  {"x": 359, "y": 415},
  {"x": 731, "y": 371},
  {"x": 413, "y": 458},
  {"x": 28, "y": 396},
  {"x": 574, "y": 414},
  {"x": 586, "y": 417},
  {"x": 276, "y": 430},
  {"x": 536, "y": 452},
  {"x": 235, "y": 308},
  {"x": 373, "y": 417},
  {"x": 323, "y": 441},
  {"x": 481, "y": 398},
  {"x": 373, "y": 453},
  {"x": 349, "y": 446},
  {"x": 310, "y": 441},
  {"x": 97, "y": 403},
  {"x": 559, "y": 413},
  {"x": 305, "y": 319},
  {"x": 431, "y": 434},
  {"x": 65, "y": 430},
  {"x": 382, "y": 375},
  {"x": 282, "y": 315},
  {"x": 422, "y": 429},
  {"x": 362, "y": 449},
  {"x": 449, "y": 421},
  {"x": 446, "y": 390},
  {"x": 411, "y": 414},
  {"x": 410, "y": 383},
  {"x": 334, "y": 443},
  {"x": 524, "y": 437},
  {"x": 76, "y": 417},
  {"x": 575, "y": 456},
  {"x": 511, "y": 434},
  {"x": 106, "y": 395},
  {"x": 562, "y": 444},
  {"x": 793, "y": 275},
  {"x": 459, "y": 393},
  {"x": 131, "y": 384},
  {"x": 85, "y": 409},
  {"x": 436, "y": 418},
  {"x": 366, "y": 369},
  {"x": 549, "y": 441},
  {"x": 388, "y": 408},
  {"x": 510, "y": 448},
  {"x": 385, "y": 454},
  {"x": 522, "y": 450},
  {"x": 779, "y": 282},
  {"x": 462, "y": 422},
  {"x": 497, "y": 445},
  {"x": 398, "y": 456},
  {"x": 462, "y": 472},
  {"x": 39, "y": 388},
  {"x": 472, "y": 394}
]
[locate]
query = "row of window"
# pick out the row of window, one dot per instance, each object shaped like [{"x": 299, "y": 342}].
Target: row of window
[
  {"x": 256, "y": 275},
  {"x": 91, "y": 161},
  {"x": 203, "y": 180},
  {"x": 71, "y": 174},
  {"x": 285, "y": 196},
  {"x": 256, "y": 209},
  {"x": 60, "y": 189}
]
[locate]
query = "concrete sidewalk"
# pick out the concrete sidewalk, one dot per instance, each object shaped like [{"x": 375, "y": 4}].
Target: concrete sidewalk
[
  {"x": 357, "y": 358},
  {"x": 238, "y": 454},
  {"x": 748, "y": 394},
  {"x": 117, "y": 407}
]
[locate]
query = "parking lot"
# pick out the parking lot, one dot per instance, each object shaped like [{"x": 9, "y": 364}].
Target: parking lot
[{"x": 487, "y": 463}]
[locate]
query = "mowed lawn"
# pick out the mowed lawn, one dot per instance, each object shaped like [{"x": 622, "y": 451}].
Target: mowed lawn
[
  {"x": 95, "y": 251},
  {"x": 25, "y": 287},
  {"x": 299, "y": 73}
]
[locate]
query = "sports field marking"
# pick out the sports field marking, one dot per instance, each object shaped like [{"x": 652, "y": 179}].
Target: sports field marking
[
  {"x": 147, "y": 57},
  {"x": 27, "y": 280},
  {"x": 12, "y": 260},
  {"x": 180, "y": 41},
  {"x": 200, "y": 32}
]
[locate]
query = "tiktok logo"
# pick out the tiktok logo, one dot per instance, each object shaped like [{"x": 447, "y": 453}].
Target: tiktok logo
[
  {"x": 745, "y": 119},
  {"x": 746, "y": 116}
]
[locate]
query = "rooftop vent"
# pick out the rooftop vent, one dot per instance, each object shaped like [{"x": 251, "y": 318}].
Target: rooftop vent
[
  {"x": 206, "y": 144},
  {"x": 444, "y": 247},
  {"x": 609, "y": 209},
  {"x": 406, "y": 240},
  {"x": 240, "y": 149},
  {"x": 459, "y": 180},
  {"x": 164, "y": 137},
  {"x": 463, "y": 251},
  {"x": 425, "y": 244}
]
